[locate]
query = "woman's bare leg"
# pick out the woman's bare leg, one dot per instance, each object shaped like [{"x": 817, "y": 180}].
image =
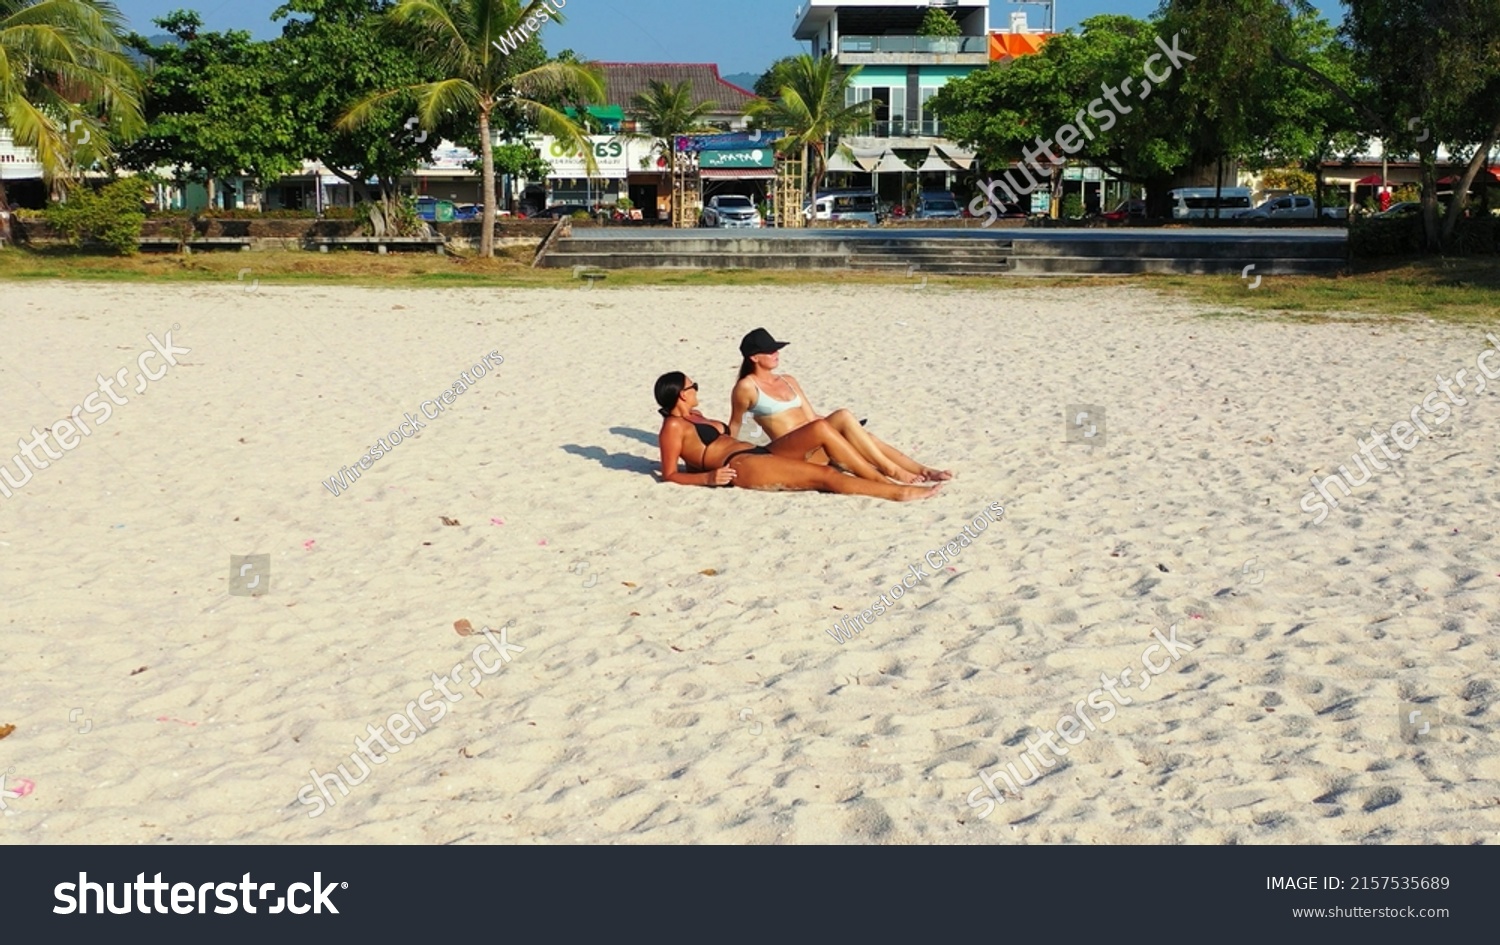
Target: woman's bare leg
[
  {"x": 781, "y": 473},
  {"x": 821, "y": 434},
  {"x": 889, "y": 460},
  {"x": 906, "y": 462}
]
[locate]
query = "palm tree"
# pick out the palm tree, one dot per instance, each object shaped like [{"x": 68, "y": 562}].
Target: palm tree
[
  {"x": 810, "y": 106},
  {"x": 668, "y": 111},
  {"x": 462, "y": 38},
  {"x": 66, "y": 86}
]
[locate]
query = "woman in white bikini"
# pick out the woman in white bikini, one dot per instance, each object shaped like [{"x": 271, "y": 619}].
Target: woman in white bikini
[{"x": 777, "y": 403}]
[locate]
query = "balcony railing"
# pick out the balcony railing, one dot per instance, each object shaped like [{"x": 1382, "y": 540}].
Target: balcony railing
[
  {"x": 916, "y": 45},
  {"x": 905, "y": 129}
]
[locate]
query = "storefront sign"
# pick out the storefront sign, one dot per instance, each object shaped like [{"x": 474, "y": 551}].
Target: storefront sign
[{"x": 609, "y": 156}]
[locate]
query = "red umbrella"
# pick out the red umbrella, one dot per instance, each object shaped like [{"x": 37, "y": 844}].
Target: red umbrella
[
  {"x": 1369, "y": 180},
  {"x": 1489, "y": 173}
]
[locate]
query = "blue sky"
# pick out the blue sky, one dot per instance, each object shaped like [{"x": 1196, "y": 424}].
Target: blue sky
[{"x": 739, "y": 35}]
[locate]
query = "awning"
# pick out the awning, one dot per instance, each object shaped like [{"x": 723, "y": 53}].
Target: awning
[
  {"x": 961, "y": 157},
  {"x": 936, "y": 164},
  {"x": 890, "y": 164},
  {"x": 840, "y": 164},
  {"x": 605, "y": 113}
]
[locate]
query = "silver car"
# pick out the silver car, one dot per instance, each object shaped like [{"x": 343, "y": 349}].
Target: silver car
[
  {"x": 937, "y": 206},
  {"x": 731, "y": 212}
]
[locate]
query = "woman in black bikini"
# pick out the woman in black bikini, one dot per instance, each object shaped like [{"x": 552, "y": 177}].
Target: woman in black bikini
[{"x": 717, "y": 459}]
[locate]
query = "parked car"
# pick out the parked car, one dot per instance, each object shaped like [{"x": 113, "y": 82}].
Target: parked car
[
  {"x": 1126, "y": 210},
  {"x": 731, "y": 211},
  {"x": 1404, "y": 208},
  {"x": 1199, "y": 203},
  {"x": 938, "y": 206},
  {"x": 843, "y": 205},
  {"x": 468, "y": 211},
  {"x": 434, "y": 210},
  {"x": 563, "y": 210},
  {"x": 1292, "y": 207}
]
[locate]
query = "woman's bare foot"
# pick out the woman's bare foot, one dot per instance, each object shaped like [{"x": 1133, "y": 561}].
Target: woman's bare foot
[
  {"x": 935, "y": 475},
  {"x": 912, "y": 493}
]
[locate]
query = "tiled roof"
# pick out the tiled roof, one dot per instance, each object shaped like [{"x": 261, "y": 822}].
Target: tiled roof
[{"x": 624, "y": 80}]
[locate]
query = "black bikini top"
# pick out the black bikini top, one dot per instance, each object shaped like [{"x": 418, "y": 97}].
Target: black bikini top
[{"x": 707, "y": 438}]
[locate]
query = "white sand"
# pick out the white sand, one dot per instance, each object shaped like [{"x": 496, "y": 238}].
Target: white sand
[{"x": 724, "y": 712}]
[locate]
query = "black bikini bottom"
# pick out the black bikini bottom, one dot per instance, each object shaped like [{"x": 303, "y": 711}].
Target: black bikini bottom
[{"x": 753, "y": 450}]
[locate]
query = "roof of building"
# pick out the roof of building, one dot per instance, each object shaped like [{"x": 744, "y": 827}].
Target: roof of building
[{"x": 624, "y": 80}]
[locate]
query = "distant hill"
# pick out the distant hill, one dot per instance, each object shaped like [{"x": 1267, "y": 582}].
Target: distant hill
[
  {"x": 160, "y": 39},
  {"x": 745, "y": 80}
]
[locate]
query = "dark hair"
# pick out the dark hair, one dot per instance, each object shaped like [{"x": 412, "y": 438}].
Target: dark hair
[
  {"x": 668, "y": 388},
  {"x": 747, "y": 367}
]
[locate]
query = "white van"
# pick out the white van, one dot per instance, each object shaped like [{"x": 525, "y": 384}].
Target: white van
[
  {"x": 1198, "y": 203},
  {"x": 845, "y": 205}
]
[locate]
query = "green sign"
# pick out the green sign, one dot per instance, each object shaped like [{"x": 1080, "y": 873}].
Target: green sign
[{"x": 738, "y": 158}]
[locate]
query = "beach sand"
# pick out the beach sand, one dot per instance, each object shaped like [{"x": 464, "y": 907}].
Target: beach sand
[{"x": 676, "y": 681}]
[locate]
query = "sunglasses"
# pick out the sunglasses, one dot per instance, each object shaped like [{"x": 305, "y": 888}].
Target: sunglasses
[{"x": 692, "y": 386}]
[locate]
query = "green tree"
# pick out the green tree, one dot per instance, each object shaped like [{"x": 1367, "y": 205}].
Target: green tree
[
  {"x": 1442, "y": 87},
  {"x": 1428, "y": 73},
  {"x": 66, "y": 88},
  {"x": 1002, "y": 111},
  {"x": 1306, "y": 124},
  {"x": 338, "y": 52},
  {"x": 939, "y": 23},
  {"x": 811, "y": 107},
  {"x": 668, "y": 111},
  {"x": 771, "y": 81},
  {"x": 216, "y": 106},
  {"x": 471, "y": 44}
]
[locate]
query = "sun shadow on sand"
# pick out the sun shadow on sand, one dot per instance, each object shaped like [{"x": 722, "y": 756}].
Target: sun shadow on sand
[
  {"x": 609, "y": 460},
  {"x": 640, "y": 436}
]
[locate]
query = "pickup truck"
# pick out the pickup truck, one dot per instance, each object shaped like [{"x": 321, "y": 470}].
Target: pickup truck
[{"x": 1293, "y": 207}]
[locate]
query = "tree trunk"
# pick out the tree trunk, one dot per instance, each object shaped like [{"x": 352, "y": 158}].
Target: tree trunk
[
  {"x": 208, "y": 188},
  {"x": 1429, "y": 197},
  {"x": 1218, "y": 186},
  {"x": 1461, "y": 190},
  {"x": 7, "y": 238},
  {"x": 812, "y": 189},
  {"x": 487, "y": 151}
]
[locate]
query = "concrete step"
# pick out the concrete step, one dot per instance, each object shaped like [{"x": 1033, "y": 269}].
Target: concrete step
[
  {"x": 637, "y": 260},
  {"x": 1248, "y": 250},
  {"x": 1095, "y": 266},
  {"x": 991, "y": 268},
  {"x": 741, "y": 246}
]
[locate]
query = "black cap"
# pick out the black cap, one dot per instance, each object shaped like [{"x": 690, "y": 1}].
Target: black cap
[{"x": 760, "y": 341}]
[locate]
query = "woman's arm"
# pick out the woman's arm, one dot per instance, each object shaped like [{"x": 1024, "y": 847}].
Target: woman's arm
[
  {"x": 670, "y": 441},
  {"x": 740, "y": 400}
]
